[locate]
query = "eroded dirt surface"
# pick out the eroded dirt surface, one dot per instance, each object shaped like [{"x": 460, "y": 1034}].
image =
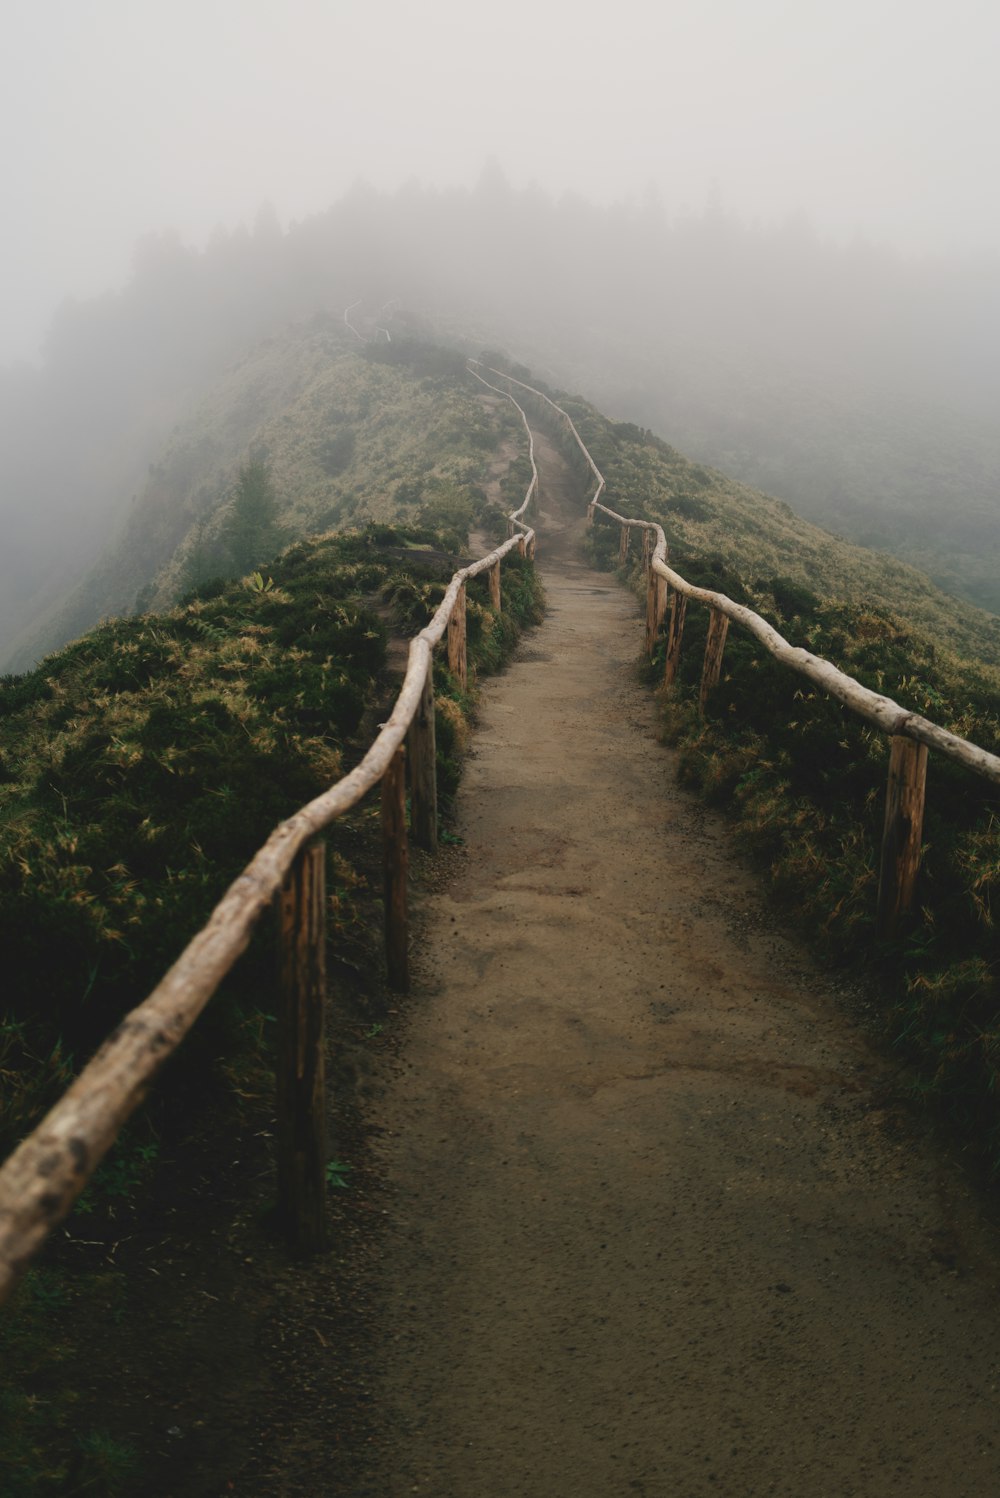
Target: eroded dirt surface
[{"x": 651, "y": 1228}]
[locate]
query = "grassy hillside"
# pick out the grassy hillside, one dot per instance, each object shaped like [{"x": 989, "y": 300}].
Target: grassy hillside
[
  {"x": 349, "y": 436},
  {"x": 140, "y": 768},
  {"x": 858, "y": 386},
  {"x": 705, "y": 513},
  {"x": 885, "y": 469}
]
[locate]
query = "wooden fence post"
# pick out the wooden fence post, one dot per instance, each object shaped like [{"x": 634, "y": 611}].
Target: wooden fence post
[
  {"x": 301, "y": 1061},
  {"x": 675, "y": 633},
  {"x": 457, "y": 658},
  {"x": 395, "y": 868},
  {"x": 422, "y": 757},
  {"x": 648, "y": 546},
  {"x": 715, "y": 644},
  {"x": 494, "y": 577},
  {"x": 904, "y": 822},
  {"x": 656, "y": 608},
  {"x": 522, "y": 546},
  {"x": 530, "y": 550},
  {"x": 623, "y": 545}
]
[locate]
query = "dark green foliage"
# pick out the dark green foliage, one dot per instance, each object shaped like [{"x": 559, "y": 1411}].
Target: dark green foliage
[
  {"x": 142, "y": 766},
  {"x": 689, "y": 507},
  {"x": 251, "y": 531},
  {"x": 337, "y": 452},
  {"x": 792, "y": 600},
  {"x": 451, "y": 510},
  {"x": 420, "y": 356},
  {"x": 805, "y": 781}
]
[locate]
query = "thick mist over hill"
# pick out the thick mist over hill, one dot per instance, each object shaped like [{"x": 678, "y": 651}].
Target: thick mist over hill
[{"x": 858, "y": 386}]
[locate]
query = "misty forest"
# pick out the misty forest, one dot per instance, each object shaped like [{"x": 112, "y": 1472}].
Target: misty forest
[{"x": 631, "y": 1124}]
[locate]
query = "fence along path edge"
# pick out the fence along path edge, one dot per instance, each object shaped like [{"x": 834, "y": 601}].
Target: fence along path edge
[
  {"x": 910, "y": 734},
  {"x": 49, "y": 1169}
]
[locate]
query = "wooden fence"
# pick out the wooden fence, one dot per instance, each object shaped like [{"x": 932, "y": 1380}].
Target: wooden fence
[
  {"x": 44, "y": 1176},
  {"x": 47, "y": 1172},
  {"x": 910, "y": 734}
]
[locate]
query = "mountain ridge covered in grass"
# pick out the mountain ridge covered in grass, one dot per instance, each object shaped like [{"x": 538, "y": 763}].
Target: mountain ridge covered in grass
[{"x": 349, "y": 436}]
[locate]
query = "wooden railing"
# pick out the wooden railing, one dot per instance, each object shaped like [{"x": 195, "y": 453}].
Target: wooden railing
[
  {"x": 910, "y": 734},
  {"x": 44, "y": 1176},
  {"x": 46, "y": 1173}
]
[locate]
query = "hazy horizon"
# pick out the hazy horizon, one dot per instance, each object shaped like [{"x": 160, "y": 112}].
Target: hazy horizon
[{"x": 876, "y": 122}]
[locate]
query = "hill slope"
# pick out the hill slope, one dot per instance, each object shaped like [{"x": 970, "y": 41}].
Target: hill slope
[
  {"x": 348, "y": 437},
  {"x": 860, "y": 388},
  {"x": 389, "y": 431},
  {"x": 761, "y": 538}
]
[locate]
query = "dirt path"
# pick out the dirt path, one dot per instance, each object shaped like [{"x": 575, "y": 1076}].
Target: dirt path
[{"x": 652, "y": 1230}]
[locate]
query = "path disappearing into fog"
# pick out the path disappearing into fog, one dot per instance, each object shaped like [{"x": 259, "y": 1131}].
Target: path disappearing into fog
[{"x": 653, "y": 1229}]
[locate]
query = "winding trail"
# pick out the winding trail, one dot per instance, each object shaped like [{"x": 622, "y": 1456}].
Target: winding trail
[{"x": 654, "y": 1229}]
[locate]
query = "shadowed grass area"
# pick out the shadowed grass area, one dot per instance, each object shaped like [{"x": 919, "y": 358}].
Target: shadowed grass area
[
  {"x": 144, "y": 764},
  {"x": 142, "y": 767}
]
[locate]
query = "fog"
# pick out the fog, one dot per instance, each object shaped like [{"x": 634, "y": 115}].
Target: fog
[
  {"x": 773, "y": 238},
  {"x": 873, "y": 118}
]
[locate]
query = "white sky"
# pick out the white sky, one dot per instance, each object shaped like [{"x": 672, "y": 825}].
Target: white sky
[{"x": 120, "y": 117}]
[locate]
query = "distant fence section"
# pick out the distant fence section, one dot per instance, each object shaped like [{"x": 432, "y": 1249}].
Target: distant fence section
[
  {"x": 47, "y": 1172},
  {"x": 910, "y": 734}
]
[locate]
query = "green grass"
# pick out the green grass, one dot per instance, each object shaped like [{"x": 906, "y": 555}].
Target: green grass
[
  {"x": 348, "y": 439},
  {"x": 804, "y": 783},
  {"x": 143, "y": 765},
  {"x": 759, "y": 538}
]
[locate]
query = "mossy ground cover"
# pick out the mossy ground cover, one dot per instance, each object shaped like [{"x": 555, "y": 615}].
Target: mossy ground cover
[{"x": 140, "y": 768}]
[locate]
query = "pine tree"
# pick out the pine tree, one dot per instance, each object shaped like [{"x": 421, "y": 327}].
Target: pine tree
[{"x": 251, "y": 532}]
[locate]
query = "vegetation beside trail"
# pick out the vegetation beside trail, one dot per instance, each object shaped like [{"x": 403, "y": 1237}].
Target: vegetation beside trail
[
  {"x": 804, "y": 779},
  {"x": 140, "y": 769},
  {"x": 346, "y": 436},
  {"x": 704, "y": 513}
]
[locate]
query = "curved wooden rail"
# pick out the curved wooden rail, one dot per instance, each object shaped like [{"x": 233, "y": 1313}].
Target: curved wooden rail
[
  {"x": 46, "y": 1173},
  {"x": 42, "y": 1179},
  {"x": 515, "y": 518},
  {"x": 564, "y": 416},
  {"x": 911, "y": 734}
]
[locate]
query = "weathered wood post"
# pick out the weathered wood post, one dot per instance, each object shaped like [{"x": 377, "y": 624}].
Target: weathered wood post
[
  {"x": 457, "y": 658},
  {"x": 904, "y": 822},
  {"x": 530, "y": 551},
  {"x": 715, "y": 644},
  {"x": 494, "y": 577},
  {"x": 301, "y": 1060},
  {"x": 648, "y": 547},
  {"x": 522, "y": 546},
  {"x": 656, "y": 608},
  {"x": 395, "y": 868},
  {"x": 422, "y": 760},
  {"x": 675, "y": 634},
  {"x": 623, "y": 545}
]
